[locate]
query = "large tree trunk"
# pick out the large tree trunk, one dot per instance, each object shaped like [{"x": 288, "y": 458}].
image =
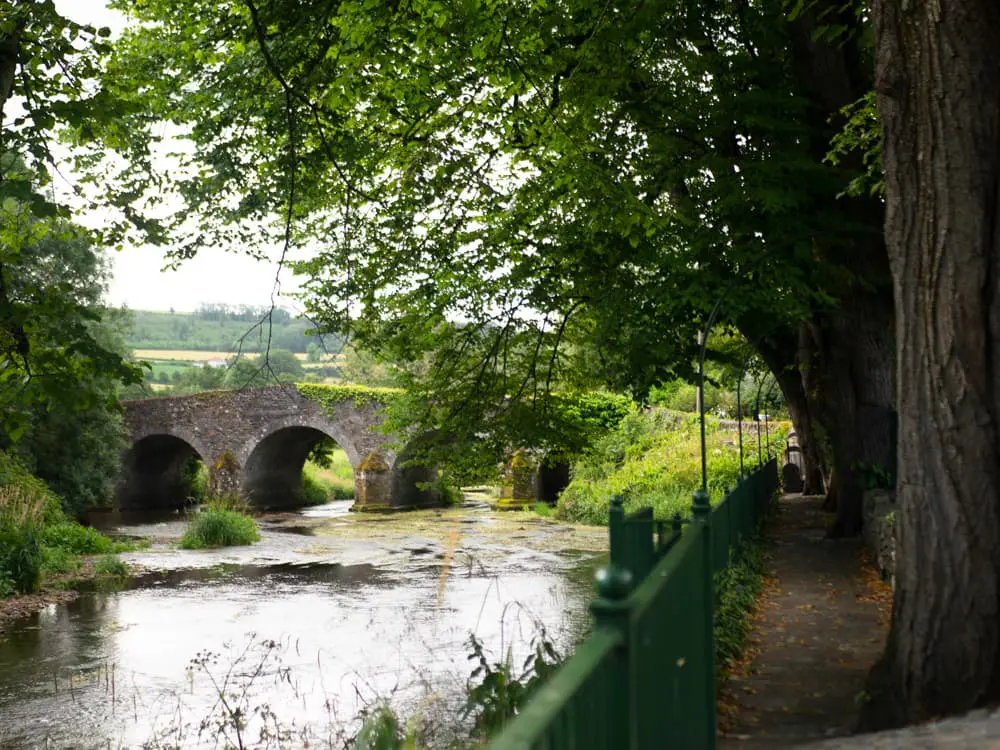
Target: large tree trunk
[
  {"x": 938, "y": 85},
  {"x": 855, "y": 395}
]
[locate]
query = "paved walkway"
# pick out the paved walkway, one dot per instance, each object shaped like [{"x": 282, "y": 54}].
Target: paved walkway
[{"x": 818, "y": 632}]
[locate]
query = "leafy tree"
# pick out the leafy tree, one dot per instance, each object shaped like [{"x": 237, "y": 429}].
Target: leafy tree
[
  {"x": 62, "y": 410},
  {"x": 276, "y": 366},
  {"x": 938, "y": 97},
  {"x": 574, "y": 178}
]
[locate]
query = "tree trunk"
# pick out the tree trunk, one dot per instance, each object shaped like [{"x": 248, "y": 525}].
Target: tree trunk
[
  {"x": 938, "y": 86},
  {"x": 779, "y": 352},
  {"x": 856, "y": 394}
]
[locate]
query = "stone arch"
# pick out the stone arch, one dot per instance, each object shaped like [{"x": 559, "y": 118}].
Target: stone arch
[
  {"x": 341, "y": 434},
  {"x": 153, "y": 471},
  {"x": 410, "y": 477},
  {"x": 552, "y": 477},
  {"x": 271, "y": 475}
]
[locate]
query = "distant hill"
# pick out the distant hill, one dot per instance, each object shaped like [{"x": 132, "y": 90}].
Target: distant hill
[{"x": 218, "y": 328}]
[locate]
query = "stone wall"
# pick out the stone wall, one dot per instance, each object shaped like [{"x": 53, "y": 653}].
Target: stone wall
[{"x": 879, "y": 531}]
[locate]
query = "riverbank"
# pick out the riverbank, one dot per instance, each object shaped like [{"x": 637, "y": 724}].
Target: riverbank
[{"x": 57, "y": 589}]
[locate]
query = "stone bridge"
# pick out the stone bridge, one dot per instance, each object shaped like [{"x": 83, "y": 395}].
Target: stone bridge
[{"x": 255, "y": 441}]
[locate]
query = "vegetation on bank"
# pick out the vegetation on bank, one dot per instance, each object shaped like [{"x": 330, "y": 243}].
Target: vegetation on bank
[
  {"x": 39, "y": 543},
  {"x": 653, "y": 459},
  {"x": 222, "y": 522},
  {"x": 327, "y": 477}
]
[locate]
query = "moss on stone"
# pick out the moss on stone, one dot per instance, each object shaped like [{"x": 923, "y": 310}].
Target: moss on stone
[
  {"x": 330, "y": 396},
  {"x": 374, "y": 461}
]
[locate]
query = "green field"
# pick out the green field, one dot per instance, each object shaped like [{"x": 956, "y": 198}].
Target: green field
[{"x": 221, "y": 329}]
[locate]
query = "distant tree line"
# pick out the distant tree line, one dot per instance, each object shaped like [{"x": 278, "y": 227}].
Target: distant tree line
[{"x": 225, "y": 328}]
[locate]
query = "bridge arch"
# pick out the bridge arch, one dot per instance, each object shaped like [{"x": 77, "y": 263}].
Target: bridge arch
[
  {"x": 153, "y": 473},
  {"x": 271, "y": 476}
]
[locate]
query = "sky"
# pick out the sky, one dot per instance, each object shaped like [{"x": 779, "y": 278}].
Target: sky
[{"x": 214, "y": 276}]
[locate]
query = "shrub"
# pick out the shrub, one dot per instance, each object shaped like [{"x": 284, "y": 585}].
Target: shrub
[
  {"x": 335, "y": 478},
  {"x": 77, "y": 539},
  {"x": 314, "y": 491},
  {"x": 56, "y": 561},
  {"x": 217, "y": 527},
  {"x": 111, "y": 566},
  {"x": 21, "y": 556}
]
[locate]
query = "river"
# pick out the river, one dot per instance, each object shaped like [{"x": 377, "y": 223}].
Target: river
[{"x": 329, "y": 615}]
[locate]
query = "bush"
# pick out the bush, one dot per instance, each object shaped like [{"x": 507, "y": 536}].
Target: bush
[
  {"x": 77, "y": 539},
  {"x": 23, "y": 512},
  {"x": 314, "y": 491},
  {"x": 111, "y": 566},
  {"x": 21, "y": 556},
  {"x": 217, "y": 527},
  {"x": 332, "y": 481}
]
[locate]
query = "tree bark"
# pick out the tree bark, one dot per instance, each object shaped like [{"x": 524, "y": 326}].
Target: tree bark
[
  {"x": 780, "y": 353},
  {"x": 938, "y": 87},
  {"x": 856, "y": 396}
]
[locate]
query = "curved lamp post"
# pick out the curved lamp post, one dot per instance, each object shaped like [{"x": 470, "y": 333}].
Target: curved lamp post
[
  {"x": 767, "y": 434},
  {"x": 756, "y": 414},
  {"x": 739, "y": 408}
]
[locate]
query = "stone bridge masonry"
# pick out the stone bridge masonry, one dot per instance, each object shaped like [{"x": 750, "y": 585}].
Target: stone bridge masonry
[{"x": 255, "y": 441}]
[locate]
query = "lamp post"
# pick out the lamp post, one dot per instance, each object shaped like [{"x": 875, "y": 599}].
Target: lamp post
[
  {"x": 756, "y": 412},
  {"x": 767, "y": 434},
  {"x": 739, "y": 408}
]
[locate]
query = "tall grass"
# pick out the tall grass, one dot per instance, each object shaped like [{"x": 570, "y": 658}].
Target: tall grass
[
  {"x": 334, "y": 482},
  {"x": 219, "y": 525},
  {"x": 654, "y": 460}
]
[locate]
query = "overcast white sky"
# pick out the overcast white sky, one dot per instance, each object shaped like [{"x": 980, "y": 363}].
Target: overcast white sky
[{"x": 213, "y": 276}]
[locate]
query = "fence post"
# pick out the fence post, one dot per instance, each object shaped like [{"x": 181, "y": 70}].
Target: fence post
[
  {"x": 616, "y": 531},
  {"x": 701, "y": 510},
  {"x": 611, "y": 610}
]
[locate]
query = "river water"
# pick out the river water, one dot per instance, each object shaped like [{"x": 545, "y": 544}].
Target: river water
[{"x": 330, "y": 614}]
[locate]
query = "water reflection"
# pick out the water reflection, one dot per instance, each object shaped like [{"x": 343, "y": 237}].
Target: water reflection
[{"x": 112, "y": 669}]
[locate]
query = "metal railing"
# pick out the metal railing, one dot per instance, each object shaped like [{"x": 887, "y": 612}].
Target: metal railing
[{"x": 645, "y": 677}]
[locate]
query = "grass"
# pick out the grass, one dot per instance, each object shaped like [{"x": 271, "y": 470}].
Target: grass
[
  {"x": 333, "y": 482},
  {"x": 110, "y": 566},
  {"x": 217, "y": 526},
  {"x": 654, "y": 460}
]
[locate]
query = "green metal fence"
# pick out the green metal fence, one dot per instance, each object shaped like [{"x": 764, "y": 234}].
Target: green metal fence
[{"x": 645, "y": 677}]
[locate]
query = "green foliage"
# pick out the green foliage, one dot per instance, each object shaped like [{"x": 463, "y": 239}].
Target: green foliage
[
  {"x": 195, "y": 477},
  {"x": 59, "y": 352},
  {"x": 332, "y": 481},
  {"x": 279, "y": 366},
  {"x": 77, "y": 453},
  {"x": 861, "y": 135},
  {"x": 873, "y": 477},
  {"x": 380, "y": 731},
  {"x": 76, "y": 539},
  {"x": 21, "y": 556},
  {"x": 329, "y": 396},
  {"x": 24, "y": 495},
  {"x": 315, "y": 492},
  {"x": 498, "y": 689},
  {"x": 571, "y": 184},
  {"x": 737, "y": 588},
  {"x": 654, "y": 460},
  {"x": 111, "y": 566},
  {"x": 215, "y": 526}
]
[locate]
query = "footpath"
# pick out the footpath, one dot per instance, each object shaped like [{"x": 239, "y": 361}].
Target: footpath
[{"x": 821, "y": 626}]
